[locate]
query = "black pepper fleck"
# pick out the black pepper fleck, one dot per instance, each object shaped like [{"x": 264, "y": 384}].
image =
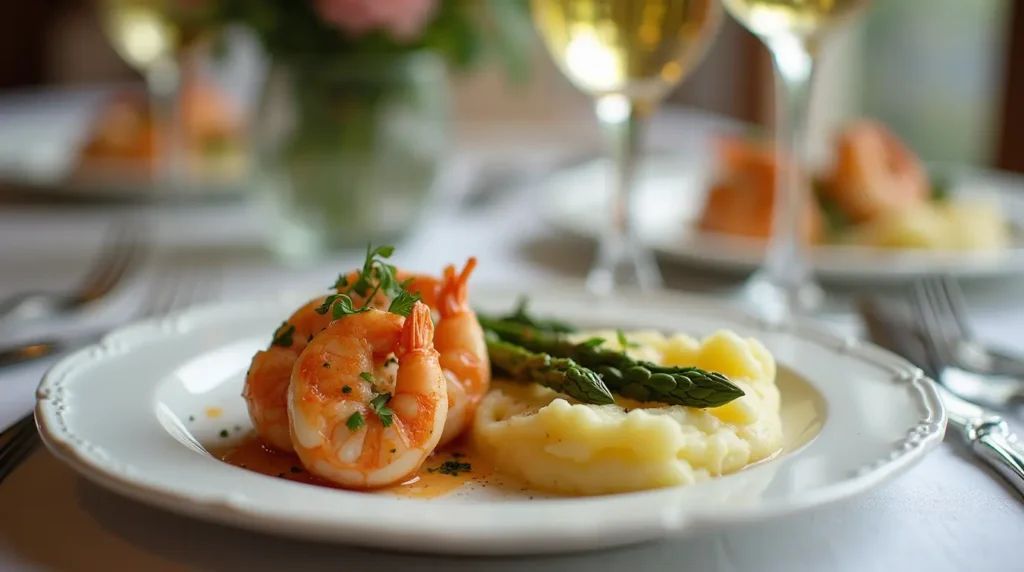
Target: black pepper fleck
[{"x": 224, "y": 433}]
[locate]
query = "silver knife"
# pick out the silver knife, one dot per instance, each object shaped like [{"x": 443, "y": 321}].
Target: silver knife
[{"x": 983, "y": 431}]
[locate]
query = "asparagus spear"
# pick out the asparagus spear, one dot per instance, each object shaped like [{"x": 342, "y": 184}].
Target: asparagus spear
[
  {"x": 522, "y": 317},
  {"x": 640, "y": 380},
  {"x": 562, "y": 375}
]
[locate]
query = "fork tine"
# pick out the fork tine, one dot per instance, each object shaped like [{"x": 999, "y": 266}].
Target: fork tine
[
  {"x": 17, "y": 450},
  {"x": 172, "y": 291},
  {"x": 953, "y": 296},
  {"x": 121, "y": 255},
  {"x": 928, "y": 326},
  {"x": 945, "y": 327}
]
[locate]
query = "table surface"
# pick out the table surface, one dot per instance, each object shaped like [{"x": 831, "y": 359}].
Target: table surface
[{"x": 945, "y": 514}]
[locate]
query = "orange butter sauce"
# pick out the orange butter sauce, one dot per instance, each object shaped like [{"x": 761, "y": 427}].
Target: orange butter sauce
[{"x": 428, "y": 482}]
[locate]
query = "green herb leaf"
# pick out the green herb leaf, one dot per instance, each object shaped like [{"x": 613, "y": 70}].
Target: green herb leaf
[
  {"x": 344, "y": 306},
  {"x": 346, "y": 389},
  {"x": 382, "y": 251},
  {"x": 367, "y": 376},
  {"x": 355, "y": 422},
  {"x": 592, "y": 342},
  {"x": 452, "y": 468},
  {"x": 283, "y": 336},
  {"x": 623, "y": 341},
  {"x": 379, "y": 406},
  {"x": 403, "y": 303}
]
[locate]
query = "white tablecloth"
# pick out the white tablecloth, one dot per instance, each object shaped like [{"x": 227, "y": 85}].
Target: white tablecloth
[{"x": 945, "y": 514}]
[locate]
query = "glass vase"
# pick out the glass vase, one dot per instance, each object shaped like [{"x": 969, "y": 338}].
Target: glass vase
[{"x": 349, "y": 150}]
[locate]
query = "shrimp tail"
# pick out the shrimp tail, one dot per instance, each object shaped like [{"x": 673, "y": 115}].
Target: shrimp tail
[
  {"x": 454, "y": 296},
  {"x": 418, "y": 330}
]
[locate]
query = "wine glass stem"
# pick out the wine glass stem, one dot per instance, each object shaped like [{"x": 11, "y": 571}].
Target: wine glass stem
[
  {"x": 163, "y": 80},
  {"x": 622, "y": 262},
  {"x": 786, "y": 269}
]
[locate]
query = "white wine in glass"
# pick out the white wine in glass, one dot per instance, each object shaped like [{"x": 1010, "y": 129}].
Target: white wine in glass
[
  {"x": 793, "y": 31},
  {"x": 151, "y": 36},
  {"x": 627, "y": 55}
]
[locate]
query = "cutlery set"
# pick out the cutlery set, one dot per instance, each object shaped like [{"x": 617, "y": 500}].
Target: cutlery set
[
  {"x": 170, "y": 289},
  {"x": 974, "y": 381}
]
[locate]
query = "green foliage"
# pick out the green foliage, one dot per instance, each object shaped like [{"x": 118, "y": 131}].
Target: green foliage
[{"x": 464, "y": 32}]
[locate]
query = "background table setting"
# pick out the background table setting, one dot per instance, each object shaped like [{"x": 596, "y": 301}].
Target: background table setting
[{"x": 528, "y": 194}]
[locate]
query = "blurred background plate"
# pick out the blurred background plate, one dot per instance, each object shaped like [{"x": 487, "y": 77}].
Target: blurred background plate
[
  {"x": 45, "y": 131},
  {"x": 671, "y": 194}
]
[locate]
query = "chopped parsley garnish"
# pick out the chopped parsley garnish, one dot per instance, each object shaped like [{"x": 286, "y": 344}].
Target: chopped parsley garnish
[
  {"x": 346, "y": 389},
  {"x": 452, "y": 468},
  {"x": 283, "y": 335},
  {"x": 376, "y": 276},
  {"x": 224, "y": 433},
  {"x": 367, "y": 376},
  {"x": 380, "y": 407},
  {"x": 403, "y": 303},
  {"x": 393, "y": 450},
  {"x": 355, "y": 422},
  {"x": 327, "y": 364}
]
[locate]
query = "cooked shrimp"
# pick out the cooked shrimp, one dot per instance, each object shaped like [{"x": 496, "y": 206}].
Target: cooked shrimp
[
  {"x": 460, "y": 341},
  {"x": 340, "y": 426},
  {"x": 266, "y": 383},
  {"x": 742, "y": 201},
  {"x": 874, "y": 172}
]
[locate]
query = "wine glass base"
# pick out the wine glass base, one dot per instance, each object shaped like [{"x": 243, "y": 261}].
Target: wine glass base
[
  {"x": 777, "y": 301},
  {"x": 623, "y": 265}
]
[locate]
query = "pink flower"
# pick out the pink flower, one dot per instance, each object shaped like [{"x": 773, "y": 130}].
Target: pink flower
[{"x": 403, "y": 19}]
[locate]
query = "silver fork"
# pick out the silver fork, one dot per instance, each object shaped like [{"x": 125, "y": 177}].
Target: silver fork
[
  {"x": 983, "y": 431},
  {"x": 164, "y": 296},
  {"x": 933, "y": 315},
  {"x": 123, "y": 249},
  {"x": 956, "y": 342}
]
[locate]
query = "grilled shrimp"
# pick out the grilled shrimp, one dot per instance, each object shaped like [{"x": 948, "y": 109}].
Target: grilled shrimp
[
  {"x": 266, "y": 383},
  {"x": 463, "y": 349},
  {"x": 358, "y": 431},
  {"x": 875, "y": 172}
]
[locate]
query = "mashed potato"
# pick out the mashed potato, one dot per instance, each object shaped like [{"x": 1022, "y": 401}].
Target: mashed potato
[
  {"x": 959, "y": 225},
  {"x": 556, "y": 444}
]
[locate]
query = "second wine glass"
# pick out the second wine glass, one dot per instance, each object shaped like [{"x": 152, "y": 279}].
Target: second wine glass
[
  {"x": 153, "y": 36},
  {"x": 793, "y": 31},
  {"x": 627, "y": 55}
]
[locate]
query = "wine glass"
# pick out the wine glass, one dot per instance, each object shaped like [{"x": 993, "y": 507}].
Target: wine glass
[
  {"x": 793, "y": 31},
  {"x": 153, "y": 36},
  {"x": 627, "y": 55}
]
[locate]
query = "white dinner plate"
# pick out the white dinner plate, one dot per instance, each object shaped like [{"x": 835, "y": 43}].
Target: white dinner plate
[
  {"x": 670, "y": 196},
  {"x": 126, "y": 414}
]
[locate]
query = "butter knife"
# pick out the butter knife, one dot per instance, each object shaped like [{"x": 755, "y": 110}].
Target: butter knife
[{"x": 983, "y": 431}]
